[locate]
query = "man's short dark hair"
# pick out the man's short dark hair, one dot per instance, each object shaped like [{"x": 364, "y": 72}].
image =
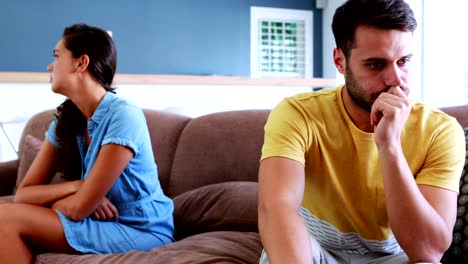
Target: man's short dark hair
[{"x": 381, "y": 14}]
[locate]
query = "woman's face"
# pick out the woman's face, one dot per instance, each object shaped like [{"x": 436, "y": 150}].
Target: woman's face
[{"x": 62, "y": 69}]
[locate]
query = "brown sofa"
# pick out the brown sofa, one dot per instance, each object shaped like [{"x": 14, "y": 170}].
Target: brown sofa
[{"x": 209, "y": 166}]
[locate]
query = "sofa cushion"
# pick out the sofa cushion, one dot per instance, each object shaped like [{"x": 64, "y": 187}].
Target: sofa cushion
[
  {"x": 211, "y": 247},
  {"x": 229, "y": 206},
  {"x": 28, "y": 152},
  {"x": 6, "y": 198},
  {"x": 458, "y": 251}
]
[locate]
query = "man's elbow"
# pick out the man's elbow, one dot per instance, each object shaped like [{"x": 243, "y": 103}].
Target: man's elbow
[
  {"x": 427, "y": 257},
  {"x": 431, "y": 251}
]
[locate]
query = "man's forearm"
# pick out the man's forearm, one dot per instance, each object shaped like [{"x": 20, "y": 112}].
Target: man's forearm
[
  {"x": 285, "y": 238},
  {"x": 418, "y": 227}
]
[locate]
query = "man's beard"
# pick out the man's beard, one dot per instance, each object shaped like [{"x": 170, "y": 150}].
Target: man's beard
[{"x": 355, "y": 91}]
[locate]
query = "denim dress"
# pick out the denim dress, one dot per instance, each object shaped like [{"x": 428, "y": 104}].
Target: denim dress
[{"x": 145, "y": 212}]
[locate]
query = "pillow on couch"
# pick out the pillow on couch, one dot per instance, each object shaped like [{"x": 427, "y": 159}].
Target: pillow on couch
[
  {"x": 458, "y": 250},
  {"x": 228, "y": 206}
]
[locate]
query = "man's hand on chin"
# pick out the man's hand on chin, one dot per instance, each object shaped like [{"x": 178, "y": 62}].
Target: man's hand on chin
[{"x": 389, "y": 114}]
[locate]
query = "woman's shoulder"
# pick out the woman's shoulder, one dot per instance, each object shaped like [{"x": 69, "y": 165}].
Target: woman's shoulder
[
  {"x": 120, "y": 110},
  {"x": 122, "y": 104}
]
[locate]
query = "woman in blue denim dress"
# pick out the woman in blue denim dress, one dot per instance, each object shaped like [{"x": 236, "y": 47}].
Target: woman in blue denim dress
[{"x": 112, "y": 201}]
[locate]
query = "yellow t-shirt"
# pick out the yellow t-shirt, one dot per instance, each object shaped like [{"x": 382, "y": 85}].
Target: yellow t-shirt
[{"x": 344, "y": 191}]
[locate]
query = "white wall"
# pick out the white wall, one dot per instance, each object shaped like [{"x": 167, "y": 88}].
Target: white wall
[
  {"x": 445, "y": 59},
  {"x": 329, "y": 70},
  {"x": 18, "y": 102}
]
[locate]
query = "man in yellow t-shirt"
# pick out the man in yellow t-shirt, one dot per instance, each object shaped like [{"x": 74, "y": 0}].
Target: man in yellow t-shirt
[{"x": 361, "y": 173}]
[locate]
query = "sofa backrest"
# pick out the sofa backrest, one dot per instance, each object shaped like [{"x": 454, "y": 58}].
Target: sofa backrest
[
  {"x": 459, "y": 112},
  {"x": 214, "y": 148},
  {"x": 37, "y": 126},
  {"x": 189, "y": 153},
  {"x": 218, "y": 147},
  {"x": 164, "y": 127}
]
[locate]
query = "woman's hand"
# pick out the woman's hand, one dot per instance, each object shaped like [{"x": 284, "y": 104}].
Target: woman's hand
[
  {"x": 105, "y": 211},
  {"x": 70, "y": 207}
]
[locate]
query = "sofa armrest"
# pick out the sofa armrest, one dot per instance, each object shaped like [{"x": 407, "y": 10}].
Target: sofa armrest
[{"x": 8, "y": 174}]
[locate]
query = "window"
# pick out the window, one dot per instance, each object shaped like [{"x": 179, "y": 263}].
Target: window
[{"x": 281, "y": 42}]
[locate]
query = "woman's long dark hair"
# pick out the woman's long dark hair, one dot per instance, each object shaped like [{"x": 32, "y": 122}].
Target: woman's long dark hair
[{"x": 82, "y": 39}]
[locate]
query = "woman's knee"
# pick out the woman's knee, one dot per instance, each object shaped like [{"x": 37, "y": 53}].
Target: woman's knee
[
  {"x": 10, "y": 217},
  {"x": 7, "y": 211}
]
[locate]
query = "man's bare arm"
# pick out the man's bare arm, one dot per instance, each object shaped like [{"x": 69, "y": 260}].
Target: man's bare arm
[
  {"x": 281, "y": 190},
  {"x": 421, "y": 217}
]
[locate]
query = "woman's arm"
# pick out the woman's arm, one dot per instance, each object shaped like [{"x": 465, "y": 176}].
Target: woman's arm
[
  {"x": 110, "y": 162},
  {"x": 36, "y": 188}
]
